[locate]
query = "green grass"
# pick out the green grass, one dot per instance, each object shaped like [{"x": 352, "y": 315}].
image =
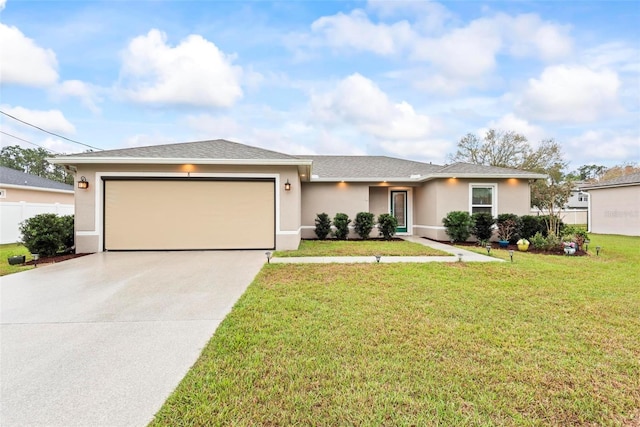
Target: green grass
[
  {"x": 11, "y": 249},
  {"x": 321, "y": 248},
  {"x": 546, "y": 340}
]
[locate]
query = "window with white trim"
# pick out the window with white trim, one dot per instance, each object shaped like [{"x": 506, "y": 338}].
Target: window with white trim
[
  {"x": 483, "y": 198},
  {"x": 3, "y": 193}
]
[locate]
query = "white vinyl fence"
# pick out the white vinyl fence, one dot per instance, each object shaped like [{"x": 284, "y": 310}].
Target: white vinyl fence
[
  {"x": 13, "y": 213},
  {"x": 569, "y": 216}
]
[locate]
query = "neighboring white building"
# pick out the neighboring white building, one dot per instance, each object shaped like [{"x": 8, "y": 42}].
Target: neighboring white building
[
  {"x": 614, "y": 205},
  {"x": 23, "y": 196}
]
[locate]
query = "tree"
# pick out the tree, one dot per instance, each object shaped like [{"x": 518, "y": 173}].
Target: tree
[
  {"x": 551, "y": 195},
  {"x": 508, "y": 150},
  {"x": 588, "y": 173},
  {"x": 620, "y": 170},
  {"x": 512, "y": 150},
  {"x": 33, "y": 161}
]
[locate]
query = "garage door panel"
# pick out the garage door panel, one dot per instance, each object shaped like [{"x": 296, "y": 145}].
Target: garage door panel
[{"x": 157, "y": 215}]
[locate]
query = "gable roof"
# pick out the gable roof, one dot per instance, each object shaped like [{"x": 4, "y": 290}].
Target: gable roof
[
  {"x": 621, "y": 181},
  {"x": 219, "y": 151},
  {"x": 461, "y": 169},
  {"x": 367, "y": 168},
  {"x": 18, "y": 178},
  {"x": 323, "y": 168}
]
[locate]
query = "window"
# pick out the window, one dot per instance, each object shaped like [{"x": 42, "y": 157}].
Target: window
[
  {"x": 583, "y": 197},
  {"x": 483, "y": 198},
  {"x": 3, "y": 194}
]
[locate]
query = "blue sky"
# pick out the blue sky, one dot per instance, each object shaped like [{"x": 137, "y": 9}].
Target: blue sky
[{"x": 399, "y": 78}]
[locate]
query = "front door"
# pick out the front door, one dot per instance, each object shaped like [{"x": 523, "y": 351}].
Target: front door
[{"x": 399, "y": 209}]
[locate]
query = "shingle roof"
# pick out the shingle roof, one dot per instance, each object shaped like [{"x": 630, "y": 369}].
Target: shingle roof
[
  {"x": 631, "y": 179},
  {"x": 461, "y": 168},
  {"x": 328, "y": 168},
  {"x": 214, "y": 149},
  {"x": 368, "y": 167},
  {"x": 10, "y": 176}
]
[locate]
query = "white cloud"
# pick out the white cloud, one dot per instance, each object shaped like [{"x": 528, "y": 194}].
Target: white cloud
[
  {"x": 430, "y": 17},
  {"x": 23, "y": 62},
  {"x": 608, "y": 147},
  {"x": 571, "y": 94},
  {"x": 358, "y": 32},
  {"x": 464, "y": 52},
  {"x": 528, "y": 35},
  {"x": 195, "y": 72},
  {"x": 618, "y": 55},
  {"x": 78, "y": 89},
  {"x": 209, "y": 126},
  {"x": 511, "y": 122},
  {"x": 51, "y": 120},
  {"x": 2, "y": 4},
  {"x": 359, "y": 102}
]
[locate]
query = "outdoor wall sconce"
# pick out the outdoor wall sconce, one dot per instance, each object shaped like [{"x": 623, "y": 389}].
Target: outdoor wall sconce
[
  {"x": 287, "y": 186},
  {"x": 268, "y": 254},
  {"x": 511, "y": 254},
  {"x": 83, "y": 183}
]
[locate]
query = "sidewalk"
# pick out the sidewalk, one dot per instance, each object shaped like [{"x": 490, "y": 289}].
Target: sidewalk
[{"x": 467, "y": 256}]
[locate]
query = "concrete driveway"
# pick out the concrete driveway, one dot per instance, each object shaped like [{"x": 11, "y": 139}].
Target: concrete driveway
[{"x": 102, "y": 340}]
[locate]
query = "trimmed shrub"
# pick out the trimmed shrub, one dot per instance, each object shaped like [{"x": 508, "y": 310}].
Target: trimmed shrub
[
  {"x": 66, "y": 228},
  {"x": 458, "y": 225},
  {"x": 545, "y": 221},
  {"x": 47, "y": 234},
  {"x": 323, "y": 225},
  {"x": 517, "y": 226},
  {"x": 364, "y": 224},
  {"x": 387, "y": 225},
  {"x": 482, "y": 226},
  {"x": 341, "y": 222},
  {"x": 538, "y": 241},
  {"x": 531, "y": 225},
  {"x": 575, "y": 234},
  {"x": 553, "y": 241}
]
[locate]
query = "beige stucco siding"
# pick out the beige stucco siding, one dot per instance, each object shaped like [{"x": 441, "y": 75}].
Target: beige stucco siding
[
  {"x": 437, "y": 198},
  {"x": 378, "y": 200},
  {"x": 36, "y": 196},
  {"x": 331, "y": 198},
  {"x": 89, "y": 203},
  {"x": 615, "y": 210}
]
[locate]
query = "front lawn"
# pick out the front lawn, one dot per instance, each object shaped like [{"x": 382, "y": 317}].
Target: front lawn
[
  {"x": 323, "y": 248},
  {"x": 546, "y": 340},
  {"x": 11, "y": 249}
]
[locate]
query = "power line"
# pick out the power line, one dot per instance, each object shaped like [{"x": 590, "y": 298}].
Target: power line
[
  {"x": 50, "y": 133},
  {"x": 29, "y": 142}
]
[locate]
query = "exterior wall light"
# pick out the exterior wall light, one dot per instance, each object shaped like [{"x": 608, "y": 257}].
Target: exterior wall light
[
  {"x": 83, "y": 183},
  {"x": 287, "y": 186}
]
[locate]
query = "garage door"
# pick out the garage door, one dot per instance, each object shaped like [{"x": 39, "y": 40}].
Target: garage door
[{"x": 188, "y": 214}]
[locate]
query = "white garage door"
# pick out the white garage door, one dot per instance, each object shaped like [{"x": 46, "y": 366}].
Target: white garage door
[{"x": 188, "y": 214}]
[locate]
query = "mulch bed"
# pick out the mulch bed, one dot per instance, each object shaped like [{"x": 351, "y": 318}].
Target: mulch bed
[
  {"x": 532, "y": 250},
  {"x": 54, "y": 259}
]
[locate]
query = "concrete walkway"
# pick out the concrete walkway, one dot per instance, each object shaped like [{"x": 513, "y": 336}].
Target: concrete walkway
[
  {"x": 104, "y": 339},
  {"x": 467, "y": 256}
]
